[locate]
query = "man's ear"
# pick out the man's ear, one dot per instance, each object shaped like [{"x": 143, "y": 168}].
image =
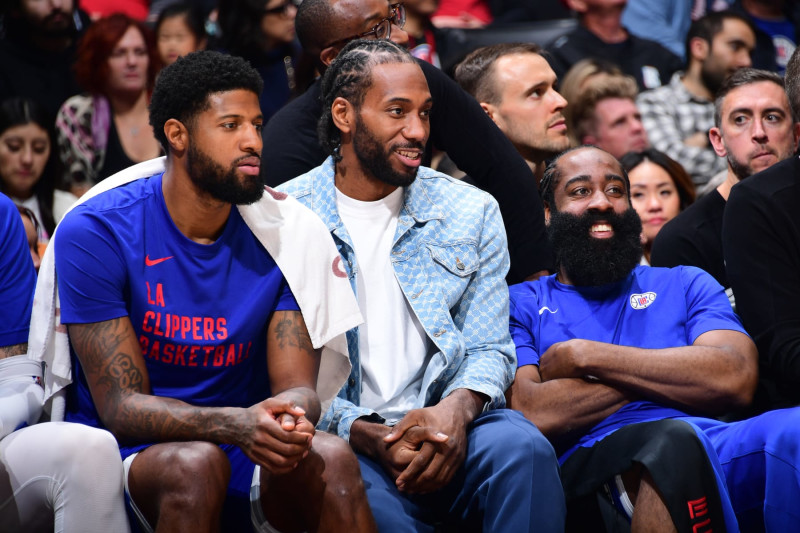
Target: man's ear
[
  {"x": 546, "y": 213},
  {"x": 699, "y": 48},
  {"x": 796, "y": 134},
  {"x": 177, "y": 134},
  {"x": 715, "y": 136},
  {"x": 579, "y": 6},
  {"x": 343, "y": 115},
  {"x": 328, "y": 55},
  {"x": 589, "y": 139},
  {"x": 488, "y": 109}
]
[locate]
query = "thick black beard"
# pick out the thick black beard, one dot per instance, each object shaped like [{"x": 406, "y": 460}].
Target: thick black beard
[
  {"x": 588, "y": 261},
  {"x": 223, "y": 185},
  {"x": 374, "y": 160}
]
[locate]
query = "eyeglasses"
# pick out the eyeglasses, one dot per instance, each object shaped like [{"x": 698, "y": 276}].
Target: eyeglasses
[
  {"x": 282, "y": 9},
  {"x": 381, "y": 30}
]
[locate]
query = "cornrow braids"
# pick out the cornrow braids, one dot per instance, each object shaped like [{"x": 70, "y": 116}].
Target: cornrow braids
[{"x": 349, "y": 76}]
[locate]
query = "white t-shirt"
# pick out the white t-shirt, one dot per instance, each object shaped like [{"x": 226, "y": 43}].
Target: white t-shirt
[{"x": 392, "y": 343}]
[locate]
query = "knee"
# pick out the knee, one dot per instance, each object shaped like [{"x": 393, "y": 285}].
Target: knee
[
  {"x": 85, "y": 446},
  {"x": 339, "y": 464},
  {"x": 193, "y": 471},
  {"x": 527, "y": 448}
]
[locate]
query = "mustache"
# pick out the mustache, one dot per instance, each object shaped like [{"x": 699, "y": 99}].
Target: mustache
[{"x": 409, "y": 145}]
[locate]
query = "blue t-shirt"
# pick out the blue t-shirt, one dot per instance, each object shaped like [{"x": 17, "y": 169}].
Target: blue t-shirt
[
  {"x": 17, "y": 276},
  {"x": 200, "y": 312},
  {"x": 650, "y": 308}
]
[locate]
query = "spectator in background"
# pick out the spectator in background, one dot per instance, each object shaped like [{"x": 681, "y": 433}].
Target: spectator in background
[
  {"x": 677, "y": 117},
  {"x": 605, "y": 115},
  {"x": 107, "y": 130},
  {"x": 516, "y": 87},
  {"x": 262, "y": 31},
  {"x": 29, "y": 166},
  {"x": 180, "y": 29},
  {"x": 776, "y": 23},
  {"x": 602, "y": 35},
  {"x": 666, "y": 22},
  {"x": 421, "y": 31},
  {"x": 37, "y": 50},
  {"x": 576, "y": 78},
  {"x": 97, "y": 9},
  {"x": 754, "y": 128},
  {"x": 660, "y": 189},
  {"x": 31, "y": 225},
  {"x": 761, "y": 245}
]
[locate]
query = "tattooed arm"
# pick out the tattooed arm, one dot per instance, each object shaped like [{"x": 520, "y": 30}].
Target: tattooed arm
[{"x": 117, "y": 376}]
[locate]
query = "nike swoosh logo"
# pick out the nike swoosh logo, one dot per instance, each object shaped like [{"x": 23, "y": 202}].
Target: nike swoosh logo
[{"x": 150, "y": 262}]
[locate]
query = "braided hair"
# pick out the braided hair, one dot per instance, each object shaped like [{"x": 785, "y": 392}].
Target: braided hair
[{"x": 349, "y": 76}]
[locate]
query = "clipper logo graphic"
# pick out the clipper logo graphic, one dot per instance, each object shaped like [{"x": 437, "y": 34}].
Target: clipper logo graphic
[{"x": 642, "y": 301}]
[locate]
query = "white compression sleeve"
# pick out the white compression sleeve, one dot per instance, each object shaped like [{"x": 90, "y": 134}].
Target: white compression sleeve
[
  {"x": 21, "y": 393},
  {"x": 61, "y": 477}
]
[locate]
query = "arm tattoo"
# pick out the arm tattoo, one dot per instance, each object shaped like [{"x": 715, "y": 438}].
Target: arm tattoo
[
  {"x": 121, "y": 390},
  {"x": 291, "y": 331}
]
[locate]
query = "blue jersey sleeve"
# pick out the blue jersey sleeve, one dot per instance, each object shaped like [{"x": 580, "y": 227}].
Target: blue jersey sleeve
[
  {"x": 17, "y": 277},
  {"x": 522, "y": 325},
  {"x": 90, "y": 269},
  {"x": 286, "y": 301},
  {"x": 708, "y": 308}
]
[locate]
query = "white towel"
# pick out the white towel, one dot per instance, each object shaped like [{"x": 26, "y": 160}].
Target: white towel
[{"x": 312, "y": 271}]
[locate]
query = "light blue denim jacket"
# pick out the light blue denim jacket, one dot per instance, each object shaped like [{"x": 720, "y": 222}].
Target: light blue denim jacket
[{"x": 450, "y": 258}]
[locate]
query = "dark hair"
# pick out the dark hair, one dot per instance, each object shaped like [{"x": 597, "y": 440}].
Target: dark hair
[
  {"x": 24, "y": 211},
  {"x": 740, "y": 78},
  {"x": 475, "y": 73},
  {"x": 194, "y": 18},
  {"x": 97, "y": 44},
  {"x": 681, "y": 179},
  {"x": 19, "y": 112},
  {"x": 792, "y": 81},
  {"x": 182, "y": 89},
  {"x": 552, "y": 176},
  {"x": 708, "y": 26},
  {"x": 314, "y": 24},
  {"x": 240, "y": 24},
  {"x": 349, "y": 76}
]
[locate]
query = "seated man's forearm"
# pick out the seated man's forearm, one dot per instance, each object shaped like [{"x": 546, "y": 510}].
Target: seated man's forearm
[{"x": 563, "y": 407}]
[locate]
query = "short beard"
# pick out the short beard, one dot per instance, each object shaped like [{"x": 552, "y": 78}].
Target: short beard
[
  {"x": 712, "y": 80},
  {"x": 588, "y": 261},
  {"x": 375, "y": 161},
  {"x": 223, "y": 185},
  {"x": 739, "y": 170}
]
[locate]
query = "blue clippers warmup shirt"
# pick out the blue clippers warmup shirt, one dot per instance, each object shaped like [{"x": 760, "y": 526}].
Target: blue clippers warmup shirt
[
  {"x": 200, "y": 312},
  {"x": 18, "y": 280},
  {"x": 650, "y": 308}
]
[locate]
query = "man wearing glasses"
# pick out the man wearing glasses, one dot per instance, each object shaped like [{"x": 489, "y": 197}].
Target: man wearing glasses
[{"x": 458, "y": 126}]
